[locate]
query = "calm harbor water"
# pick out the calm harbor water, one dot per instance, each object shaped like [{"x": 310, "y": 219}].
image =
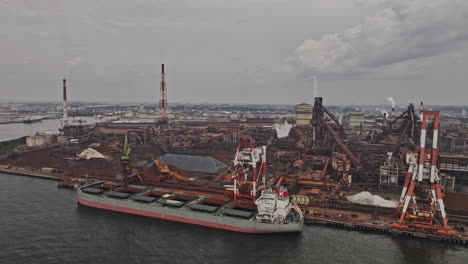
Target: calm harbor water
[
  {"x": 16, "y": 130},
  {"x": 42, "y": 224}
]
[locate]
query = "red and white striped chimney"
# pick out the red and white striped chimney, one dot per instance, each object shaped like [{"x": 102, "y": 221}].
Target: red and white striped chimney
[
  {"x": 65, "y": 105},
  {"x": 163, "y": 100}
]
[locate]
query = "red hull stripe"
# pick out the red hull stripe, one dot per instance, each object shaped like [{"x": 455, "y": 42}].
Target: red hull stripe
[{"x": 168, "y": 217}]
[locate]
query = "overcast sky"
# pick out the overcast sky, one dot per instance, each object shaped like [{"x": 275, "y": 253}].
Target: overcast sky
[{"x": 242, "y": 51}]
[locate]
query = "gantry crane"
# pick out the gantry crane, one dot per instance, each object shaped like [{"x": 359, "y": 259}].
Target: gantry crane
[
  {"x": 247, "y": 181},
  {"x": 421, "y": 207}
]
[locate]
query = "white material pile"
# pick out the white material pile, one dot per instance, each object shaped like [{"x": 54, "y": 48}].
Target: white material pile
[
  {"x": 90, "y": 153},
  {"x": 282, "y": 130},
  {"x": 370, "y": 199}
]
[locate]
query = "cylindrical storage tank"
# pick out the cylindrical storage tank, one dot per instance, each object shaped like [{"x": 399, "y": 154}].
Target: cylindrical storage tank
[
  {"x": 303, "y": 114},
  {"x": 356, "y": 118},
  {"x": 62, "y": 139},
  {"x": 31, "y": 141},
  {"x": 48, "y": 139},
  {"x": 40, "y": 141}
]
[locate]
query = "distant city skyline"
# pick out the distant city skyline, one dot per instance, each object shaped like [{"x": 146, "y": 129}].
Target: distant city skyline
[
  {"x": 72, "y": 104},
  {"x": 242, "y": 52}
]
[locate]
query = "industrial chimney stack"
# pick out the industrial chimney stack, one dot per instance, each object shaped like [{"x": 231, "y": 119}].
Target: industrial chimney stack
[
  {"x": 384, "y": 121},
  {"x": 65, "y": 106},
  {"x": 421, "y": 109},
  {"x": 163, "y": 101}
]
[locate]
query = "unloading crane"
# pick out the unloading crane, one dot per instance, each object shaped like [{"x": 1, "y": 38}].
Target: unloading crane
[
  {"x": 168, "y": 176},
  {"x": 125, "y": 162},
  {"x": 421, "y": 207},
  {"x": 247, "y": 180},
  {"x": 127, "y": 173},
  {"x": 126, "y": 153}
]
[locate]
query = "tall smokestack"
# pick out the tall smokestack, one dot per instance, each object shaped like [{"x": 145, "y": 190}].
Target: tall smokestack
[
  {"x": 163, "y": 101},
  {"x": 65, "y": 106},
  {"x": 392, "y": 101},
  {"x": 384, "y": 121},
  {"x": 421, "y": 109}
]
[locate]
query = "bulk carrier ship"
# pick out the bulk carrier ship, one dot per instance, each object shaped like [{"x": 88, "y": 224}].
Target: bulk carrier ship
[
  {"x": 274, "y": 214},
  {"x": 250, "y": 206}
]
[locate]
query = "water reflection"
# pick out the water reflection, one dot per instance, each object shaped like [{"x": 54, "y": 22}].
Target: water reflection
[
  {"x": 16, "y": 130},
  {"x": 415, "y": 250}
]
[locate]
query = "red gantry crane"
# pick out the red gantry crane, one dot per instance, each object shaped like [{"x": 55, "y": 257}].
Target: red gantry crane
[
  {"x": 247, "y": 180},
  {"x": 421, "y": 207}
]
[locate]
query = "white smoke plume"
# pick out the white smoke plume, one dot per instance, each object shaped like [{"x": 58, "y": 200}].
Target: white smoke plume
[
  {"x": 282, "y": 130},
  {"x": 315, "y": 86},
  {"x": 391, "y": 100},
  {"x": 399, "y": 31},
  {"x": 384, "y": 114}
]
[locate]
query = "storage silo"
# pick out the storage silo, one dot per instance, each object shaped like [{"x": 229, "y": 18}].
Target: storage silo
[
  {"x": 303, "y": 114},
  {"x": 356, "y": 118}
]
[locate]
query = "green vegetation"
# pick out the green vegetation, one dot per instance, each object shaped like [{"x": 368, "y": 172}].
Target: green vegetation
[{"x": 6, "y": 146}]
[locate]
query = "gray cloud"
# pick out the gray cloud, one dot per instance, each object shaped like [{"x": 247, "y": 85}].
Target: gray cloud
[
  {"x": 233, "y": 51},
  {"x": 398, "y": 32},
  {"x": 215, "y": 51}
]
